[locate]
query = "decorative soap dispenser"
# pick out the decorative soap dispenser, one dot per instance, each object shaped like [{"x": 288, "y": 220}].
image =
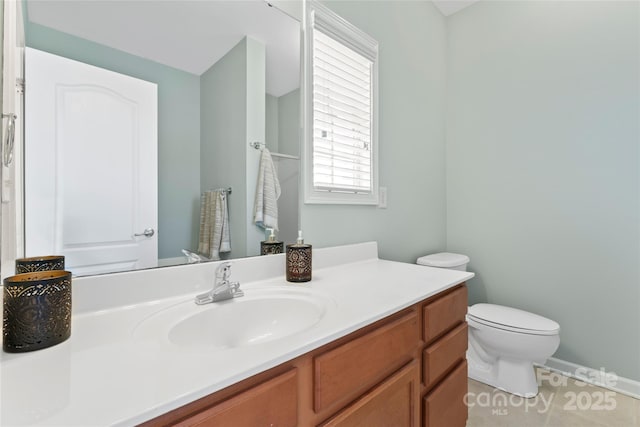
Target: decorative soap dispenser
[
  {"x": 299, "y": 261},
  {"x": 271, "y": 245}
]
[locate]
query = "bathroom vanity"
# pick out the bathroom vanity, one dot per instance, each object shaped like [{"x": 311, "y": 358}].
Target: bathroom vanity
[
  {"x": 378, "y": 343},
  {"x": 379, "y": 375}
]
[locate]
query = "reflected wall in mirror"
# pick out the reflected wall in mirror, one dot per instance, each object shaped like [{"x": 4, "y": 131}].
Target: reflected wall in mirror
[{"x": 227, "y": 74}]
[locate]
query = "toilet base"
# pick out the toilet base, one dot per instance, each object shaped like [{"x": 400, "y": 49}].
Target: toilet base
[{"x": 513, "y": 376}]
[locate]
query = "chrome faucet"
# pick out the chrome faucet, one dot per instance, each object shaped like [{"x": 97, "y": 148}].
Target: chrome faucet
[
  {"x": 223, "y": 289},
  {"x": 193, "y": 257}
]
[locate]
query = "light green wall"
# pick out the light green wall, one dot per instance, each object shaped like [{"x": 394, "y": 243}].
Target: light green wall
[
  {"x": 288, "y": 169},
  {"x": 283, "y": 136},
  {"x": 223, "y": 109},
  {"x": 283, "y": 123},
  {"x": 178, "y": 130},
  {"x": 289, "y": 123},
  {"x": 271, "y": 137},
  {"x": 542, "y": 167},
  {"x": 256, "y": 72},
  {"x": 412, "y": 77},
  {"x": 232, "y": 115}
]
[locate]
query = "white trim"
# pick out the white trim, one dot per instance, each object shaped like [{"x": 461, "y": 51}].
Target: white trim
[
  {"x": 11, "y": 182},
  {"x": 348, "y": 30},
  {"x": 600, "y": 377}
]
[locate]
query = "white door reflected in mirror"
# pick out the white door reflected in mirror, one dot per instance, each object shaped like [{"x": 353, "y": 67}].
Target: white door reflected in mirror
[{"x": 91, "y": 170}]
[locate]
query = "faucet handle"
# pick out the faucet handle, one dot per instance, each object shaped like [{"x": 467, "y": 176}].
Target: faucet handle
[
  {"x": 223, "y": 271},
  {"x": 235, "y": 289}
]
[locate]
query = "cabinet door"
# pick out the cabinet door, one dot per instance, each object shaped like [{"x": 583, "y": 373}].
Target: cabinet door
[
  {"x": 444, "y": 313},
  {"x": 444, "y": 406},
  {"x": 270, "y": 404},
  {"x": 345, "y": 372},
  {"x": 395, "y": 402},
  {"x": 443, "y": 355}
]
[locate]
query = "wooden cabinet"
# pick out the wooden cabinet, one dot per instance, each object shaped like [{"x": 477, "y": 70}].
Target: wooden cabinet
[
  {"x": 441, "y": 315},
  {"x": 406, "y": 370},
  {"x": 444, "y": 368},
  {"x": 270, "y": 404},
  {"x": 442, "y": 356},
  {"x": 347, "y": 371},
  {"x": 444, "y": 406},
  {"x": 392, "y": 403}
]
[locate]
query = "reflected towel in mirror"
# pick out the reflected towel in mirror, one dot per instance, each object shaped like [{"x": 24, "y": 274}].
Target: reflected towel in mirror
[
  {"x": 265, "y": 212},
  {"x": 214, "y": 224}
]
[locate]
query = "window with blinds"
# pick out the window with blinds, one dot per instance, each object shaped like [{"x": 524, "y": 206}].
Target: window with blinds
[{"x": 342, "y": 111}]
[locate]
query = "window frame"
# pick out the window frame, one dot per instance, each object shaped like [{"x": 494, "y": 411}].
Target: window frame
[{"x": 349, "y": 35}]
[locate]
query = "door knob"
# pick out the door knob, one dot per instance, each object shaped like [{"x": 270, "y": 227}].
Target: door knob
[{"x": 148, "y": 232}]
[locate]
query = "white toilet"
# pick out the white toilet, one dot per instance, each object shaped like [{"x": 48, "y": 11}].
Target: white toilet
[{"x": 504, "y": 342}]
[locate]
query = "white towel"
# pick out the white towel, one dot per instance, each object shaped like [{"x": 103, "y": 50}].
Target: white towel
[
  {"x": 265, "y": 212},
  {"x": 214, "y": 224}
]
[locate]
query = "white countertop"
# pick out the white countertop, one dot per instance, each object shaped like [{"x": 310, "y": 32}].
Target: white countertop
[{"x": 105, "y": 374}]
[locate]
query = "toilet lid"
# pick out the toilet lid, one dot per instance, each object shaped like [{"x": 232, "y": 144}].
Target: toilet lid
[
  {"x": 512, "y": 319},
  {"x": 443, "y": 260}
]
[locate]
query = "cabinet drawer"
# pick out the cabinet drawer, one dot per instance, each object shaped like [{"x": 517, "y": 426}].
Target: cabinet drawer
[
  {"x": 444, "y": 313},
  {"x": 270, "y": 404},
  {"x": 444, "y": 406},
  {"x": 343, "y": 373},
  {"x": 444, "y": 354},
  {"x": 395, "y": 402}
]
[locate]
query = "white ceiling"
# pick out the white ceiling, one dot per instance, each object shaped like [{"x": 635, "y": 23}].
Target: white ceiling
[
  {"x": 449, "y": 7},
  {"x": 184, "y": 34}
]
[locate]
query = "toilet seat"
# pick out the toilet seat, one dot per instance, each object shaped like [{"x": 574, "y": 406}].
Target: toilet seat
[{"x": 511, "y": 319}]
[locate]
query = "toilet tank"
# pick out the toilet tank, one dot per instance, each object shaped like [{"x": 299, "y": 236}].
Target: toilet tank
[{"x": 445, "y": 260}]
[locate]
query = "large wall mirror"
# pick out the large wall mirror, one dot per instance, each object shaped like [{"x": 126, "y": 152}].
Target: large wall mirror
[{"x": 226, "y": 75}]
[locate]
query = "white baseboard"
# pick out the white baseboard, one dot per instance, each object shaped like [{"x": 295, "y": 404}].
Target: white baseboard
[{"x": 600, "y": 377}]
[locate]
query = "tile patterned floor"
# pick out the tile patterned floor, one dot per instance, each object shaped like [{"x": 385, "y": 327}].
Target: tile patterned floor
[{"x": 562, "y": 402}]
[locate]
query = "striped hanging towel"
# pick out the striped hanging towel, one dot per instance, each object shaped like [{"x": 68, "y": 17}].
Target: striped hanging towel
[{"x": 214, "y": 224}]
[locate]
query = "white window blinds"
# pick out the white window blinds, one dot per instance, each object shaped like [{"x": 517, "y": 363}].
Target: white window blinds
[{"x": 342, "y": 108}]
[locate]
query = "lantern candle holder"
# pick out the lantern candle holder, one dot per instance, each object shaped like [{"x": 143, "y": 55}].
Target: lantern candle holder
[
  {"x": 36, "y": 310},
  {"x": 40, "y": 263}
]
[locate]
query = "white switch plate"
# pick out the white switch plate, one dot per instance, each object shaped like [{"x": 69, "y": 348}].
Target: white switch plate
[{"x": 382, "y": 198}]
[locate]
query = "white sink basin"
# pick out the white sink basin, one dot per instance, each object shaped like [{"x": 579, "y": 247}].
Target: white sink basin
[{"x": 258, "y": 317}]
